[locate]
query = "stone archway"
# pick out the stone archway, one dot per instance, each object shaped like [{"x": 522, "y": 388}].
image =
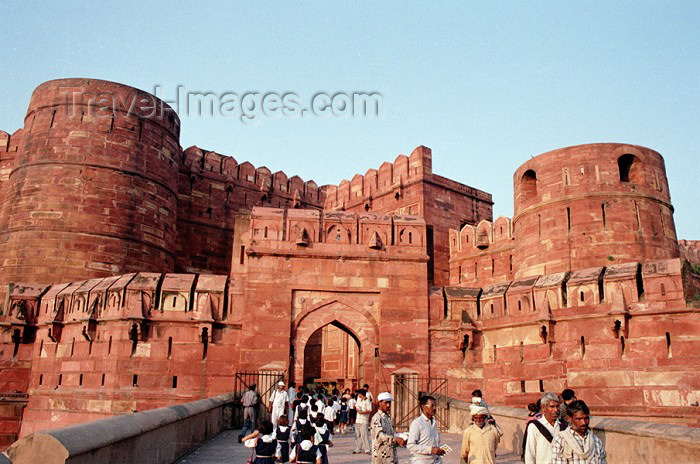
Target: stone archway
[{"x": 359, "y": 323}]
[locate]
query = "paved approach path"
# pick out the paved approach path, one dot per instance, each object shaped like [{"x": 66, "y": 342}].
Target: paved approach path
[{"x": 225, "y": 449}]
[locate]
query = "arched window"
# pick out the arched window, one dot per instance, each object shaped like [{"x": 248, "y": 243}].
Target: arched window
[
  {"x": 528, "y": 184},
  {"x": 630, "y": 169}
]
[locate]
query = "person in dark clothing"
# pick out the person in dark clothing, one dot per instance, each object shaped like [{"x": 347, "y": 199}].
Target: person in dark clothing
[{"x": 264, "y": 443}]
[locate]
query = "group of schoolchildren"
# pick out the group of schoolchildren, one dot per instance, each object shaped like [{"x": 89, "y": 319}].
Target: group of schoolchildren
[{"x": 308, "y": 438}]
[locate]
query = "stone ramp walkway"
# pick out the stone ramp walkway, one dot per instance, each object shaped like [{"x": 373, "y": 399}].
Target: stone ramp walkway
[{"x": 225, "y": 449}]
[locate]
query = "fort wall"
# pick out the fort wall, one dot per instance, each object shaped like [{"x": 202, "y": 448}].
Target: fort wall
[
  {"x": 212, "y": 189},
  {"x": 82, "y": 177},
  {"x": 588, "y": 205},
  {"x": 409, "y": 186},
  {"x": 180, "y": 268}
]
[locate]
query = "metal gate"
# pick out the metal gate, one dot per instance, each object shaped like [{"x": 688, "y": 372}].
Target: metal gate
[
  {"x": 265, "y": 383},
  {"x": 407, "y": 391}
]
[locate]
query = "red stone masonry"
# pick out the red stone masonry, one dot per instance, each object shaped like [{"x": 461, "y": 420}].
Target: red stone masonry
[
  {"x": 91, "y": 193},
  {"x": 212, "y": 190},
  {"x": 409, "y": 186},
  {"x": 137, "y": 275},
  {"x": 591, "y": 205}
]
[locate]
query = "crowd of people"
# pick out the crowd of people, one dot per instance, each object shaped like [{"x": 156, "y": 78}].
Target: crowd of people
[
  {"x": 557, "y": 432},
  {"x": 303, "y": 421}
]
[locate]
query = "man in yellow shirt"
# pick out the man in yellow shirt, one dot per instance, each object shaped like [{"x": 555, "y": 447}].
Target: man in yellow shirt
[{"x": 480, "y": 439}]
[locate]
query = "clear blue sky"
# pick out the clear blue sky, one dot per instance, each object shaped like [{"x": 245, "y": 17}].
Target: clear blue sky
[{"x": 486, "y": 85}]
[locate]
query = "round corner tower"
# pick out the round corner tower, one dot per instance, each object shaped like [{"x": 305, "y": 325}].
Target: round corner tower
[
  {"x": 93, "y": 191},
  {"x": 591, "y": 205}
]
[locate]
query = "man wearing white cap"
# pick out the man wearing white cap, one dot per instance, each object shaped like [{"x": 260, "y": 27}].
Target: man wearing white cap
[
  {"x": 480, "y": 439},
  {"x": 384, "y": 442},
  {"x": 279, "y": 401}
]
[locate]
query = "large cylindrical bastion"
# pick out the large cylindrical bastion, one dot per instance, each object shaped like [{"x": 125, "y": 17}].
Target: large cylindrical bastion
[
  {"x": 93, "y": 191},
  {"x": 591, "y": 205}
]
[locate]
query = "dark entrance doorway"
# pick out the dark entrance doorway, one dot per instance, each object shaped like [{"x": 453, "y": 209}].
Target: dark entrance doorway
[{"x": 333, "y": 356}]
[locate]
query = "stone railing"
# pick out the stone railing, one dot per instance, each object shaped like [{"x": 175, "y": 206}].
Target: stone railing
[
  {"x": 156, "y": 436},
  {"x": 625, "y": 441}
]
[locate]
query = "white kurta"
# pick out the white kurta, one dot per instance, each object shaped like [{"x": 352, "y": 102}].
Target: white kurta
[{"x": 537, "y": 449}]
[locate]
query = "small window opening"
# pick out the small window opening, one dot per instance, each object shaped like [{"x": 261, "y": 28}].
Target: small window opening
[
  {"x": 242, "y": 257},
  {"x": 476, "y": 270},
  {"x": 265, "y": 233},
  {"x": 174, "y": 381},
  {"x": 522, "y": 352},
  {"x": 109, "y": 346},
  {"x": 520, "y": 305},
  {"x": 41, "y": 379},
  {"x": 170, "y": 347},
  {"x": 568, "y": 218},
  {"x": 493, "y": 267},
  {"x": 583, "y": 346},
  {"x": 622, "y": 345},
  {"x": 541, "y": 386},
  {"x": 582, "y": 296},
  {"x": 135, "y": 380},
  {"x": 668, "y": 345},
  {"x": 663, "y": 290},
  {"x": 174, "y": 301},
  {"x": 410, "y": 238},
  {"x": 605, "y": 221},
  {"x": 205, "y": 342},
  {"x": 60, "y": 379},
  {"x": 510, "y": 263},
  {"x": 522, "y": 386},
  {"x": 80, "y": 380},
  {"x": 495, "y": 354},
  {"x": 103, "y": 380},
  {"x": 134, "y": 336},
  {"x": 491, "y": 308},
  {"x": 72, "y": 347}
]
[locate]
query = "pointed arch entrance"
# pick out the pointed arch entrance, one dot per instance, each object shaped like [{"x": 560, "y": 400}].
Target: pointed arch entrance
[
  {"x": 357, "y": 322},
  {"x": 332, "y": 355}
]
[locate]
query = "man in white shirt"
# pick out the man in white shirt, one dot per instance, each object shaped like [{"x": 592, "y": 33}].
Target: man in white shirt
[
  {"x": 291, "y": 396},
  {"x": 423, "y": 436},
  {"x": 278, "y": 403},
  {"x": 364, "y": 409},
  {"x": 540, "y": 433}
]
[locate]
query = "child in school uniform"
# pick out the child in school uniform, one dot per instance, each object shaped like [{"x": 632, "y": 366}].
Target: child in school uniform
[
  {"x": 323, "y": 437},
  {"x": 282, "y": 434},
  {"x": 264, "y": 443},
  {"x": 299, "y": 424},
  {"x": 305, "y": 452},
  {"x": 343, "y": 422},
  {"x": 329, "y": 415}
]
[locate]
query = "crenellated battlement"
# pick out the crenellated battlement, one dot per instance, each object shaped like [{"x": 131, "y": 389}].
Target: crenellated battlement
[
  {"x": 485, "y": 235},
  {"x": 226, "y": 170},
  {"x": 389, "y": 178}
]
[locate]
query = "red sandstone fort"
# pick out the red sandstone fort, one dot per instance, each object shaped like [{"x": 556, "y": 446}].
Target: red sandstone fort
[{"x": 136, "y": 274}]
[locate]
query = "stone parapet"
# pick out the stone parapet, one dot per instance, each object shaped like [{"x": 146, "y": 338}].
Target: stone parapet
[
  {"x": 158, "y": 436},
  {"x": 625, "y": 441}
]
